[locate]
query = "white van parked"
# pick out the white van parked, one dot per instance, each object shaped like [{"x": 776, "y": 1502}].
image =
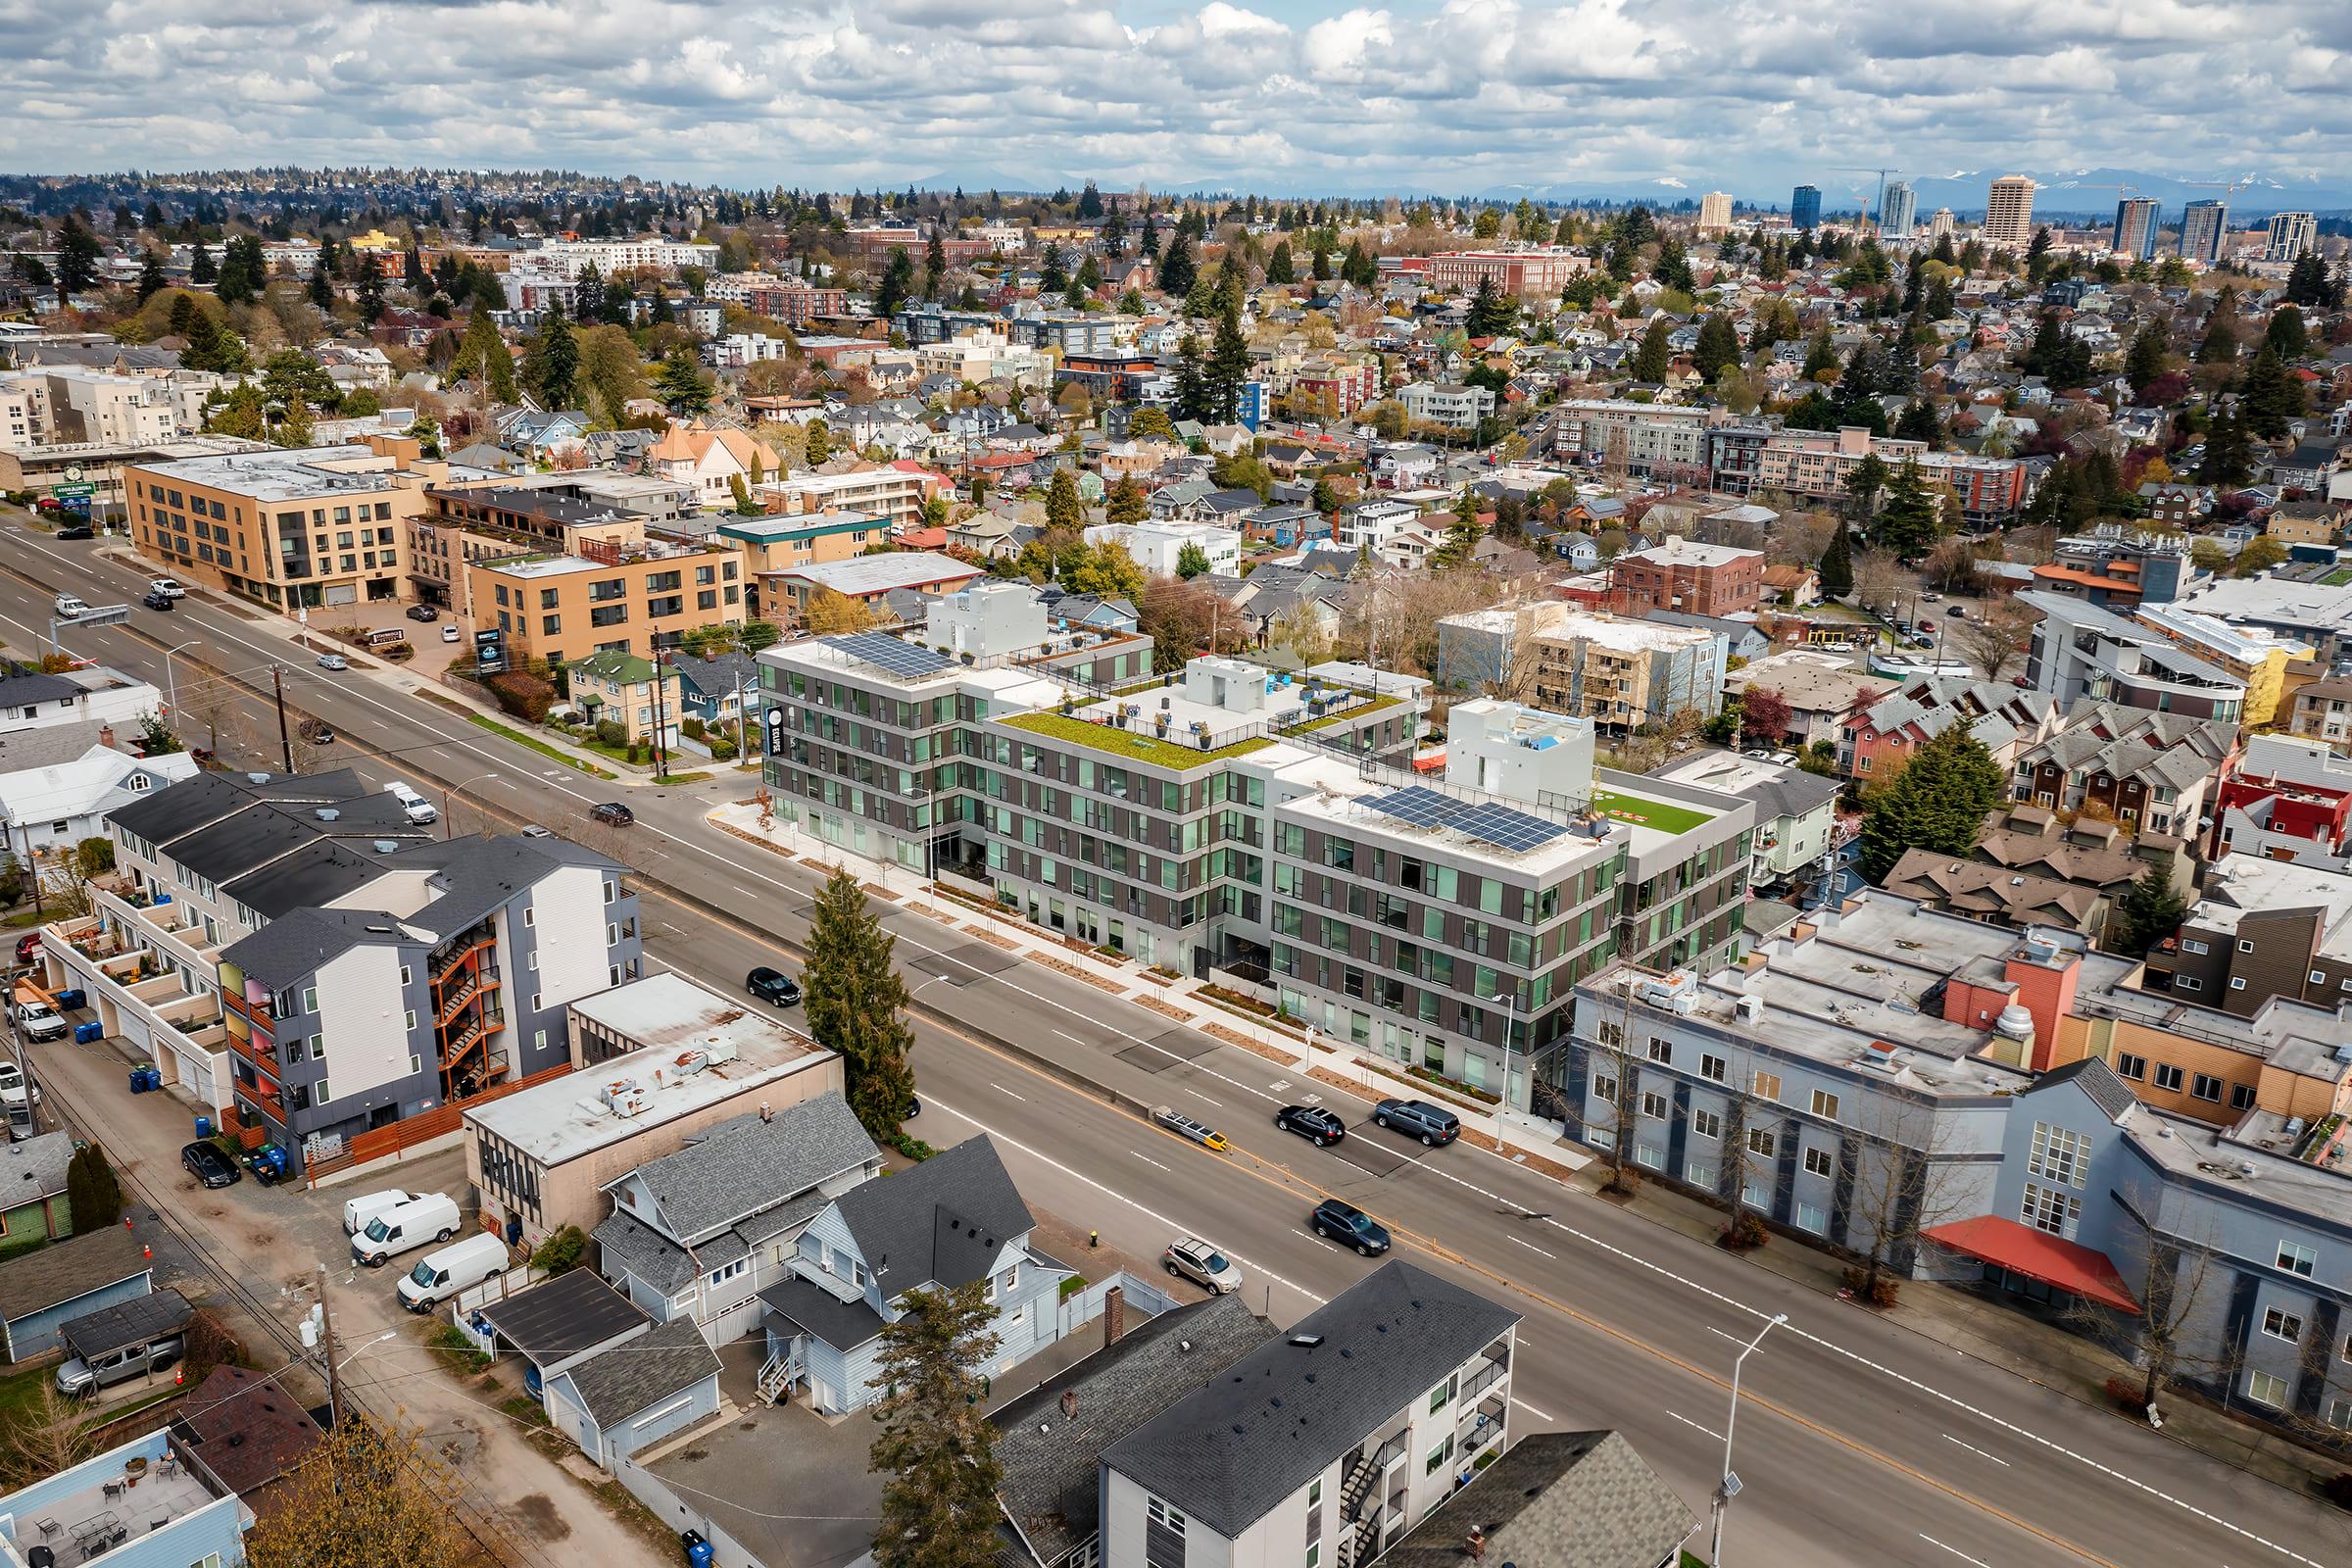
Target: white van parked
[
  {"x": 407, "y": 1227},
  {"x": 365, "y": 1207},
  {"x": 459, "y": 1266},
  {"x": 420, "y": 811}
]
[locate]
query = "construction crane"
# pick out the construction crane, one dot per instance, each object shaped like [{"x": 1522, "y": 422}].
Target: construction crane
[{"x": 1878, "y": 210}]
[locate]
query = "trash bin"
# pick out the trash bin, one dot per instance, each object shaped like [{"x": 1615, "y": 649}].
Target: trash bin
[
  {"x": 67, "y": 1001},
  {"x": 697, "y": 1550},
  {"x": 204, "y": 1128},
  {"x": 86, "y": 1033}
]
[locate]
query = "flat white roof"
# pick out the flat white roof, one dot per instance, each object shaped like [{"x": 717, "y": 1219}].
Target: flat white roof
[
  {"x": 875, "y": 574},
  {"x": 674, "y": 1019}
]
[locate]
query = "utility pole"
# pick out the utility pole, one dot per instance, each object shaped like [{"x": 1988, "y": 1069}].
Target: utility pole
[
  {"x": 334, "y": 1380},
  {"x": 285, "y": 740}
]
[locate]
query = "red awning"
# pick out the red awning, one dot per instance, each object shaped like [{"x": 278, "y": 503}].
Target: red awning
[{"x": 2052, "y": 1259}]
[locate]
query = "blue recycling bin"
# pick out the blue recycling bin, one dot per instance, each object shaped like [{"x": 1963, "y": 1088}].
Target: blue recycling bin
[
  {"x": 151, "y": 1078},
  {"x": 67, "y": 1001},
  {"x": 697, "y": 1550},
  {"x": 204, "y": 1128},
  {"x": 89, "y": 1033}
]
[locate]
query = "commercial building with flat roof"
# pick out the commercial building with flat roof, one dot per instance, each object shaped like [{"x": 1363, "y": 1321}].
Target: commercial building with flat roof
[
  {"x": 620, "y": 596},
  {"x": 656, "y": 1061}
]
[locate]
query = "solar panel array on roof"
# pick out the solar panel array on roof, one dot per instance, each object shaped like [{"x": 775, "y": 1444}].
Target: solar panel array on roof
[
  {"x": 889, "y": 653},
  {"x": 1498, "y": 825}
]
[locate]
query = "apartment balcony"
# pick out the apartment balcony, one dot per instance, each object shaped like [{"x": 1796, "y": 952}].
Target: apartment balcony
[
  {"x": 447, "y": 958},
  {"x": 256, "y": 1014},
  {"x": 474, "y": 984}
]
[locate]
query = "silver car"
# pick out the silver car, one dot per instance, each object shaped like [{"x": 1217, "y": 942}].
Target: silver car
[{"x": 1204, "y": 1265}]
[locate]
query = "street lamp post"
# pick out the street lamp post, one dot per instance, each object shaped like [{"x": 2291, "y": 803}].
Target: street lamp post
[
  {"x": 923, "y": 795},
  {"x": 1729, "y": 1487},
  {"x": 172, "y": 676},
  {"x": 449, "y": 799},
  {"x": 1511, "y": 1026}
]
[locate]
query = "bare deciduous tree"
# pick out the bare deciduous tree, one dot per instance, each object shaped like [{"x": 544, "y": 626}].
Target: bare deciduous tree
[
  {"x": 2176, "y": 1287},
  {"x": 1998, "y": 640},
  {"x": 1878, "y": 578},
  {"x": 1897, "y": 1189}
]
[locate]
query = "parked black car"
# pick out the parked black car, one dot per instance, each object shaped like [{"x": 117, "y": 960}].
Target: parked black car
[
  {"x": 1337, "y": 1221},
  {"x": 1311, "y": 1121},
  {"x": 209, "y": 1165},
  {"x": 773, "y": 987},
  {"x": 77, "y": 530},
  {"x": 612, "y": 813},
  {"x": 1418, "y": 1119}
]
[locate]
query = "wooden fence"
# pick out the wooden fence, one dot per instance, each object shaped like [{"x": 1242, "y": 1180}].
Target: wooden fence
[{"x": 382, "y": 1143}]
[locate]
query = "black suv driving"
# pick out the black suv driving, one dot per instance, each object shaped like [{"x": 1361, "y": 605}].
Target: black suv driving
[
  {"x": 772, "y": 986},
  {"x": 1311, "y": 1121},
  {"x": 1337, "y": 1221},
  {"x": 1432, "y": 1124}
]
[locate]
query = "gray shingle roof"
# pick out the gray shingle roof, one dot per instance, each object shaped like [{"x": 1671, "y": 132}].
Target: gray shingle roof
[
  {"x": 50, "y": 1276},
  {"x": 746, "y": 1166},
  {"x": 941, "y": 1222},
  {"x": 1050, "y": 1457},
  {"x": 630, "y": 1245},
  {"x": 34, "y": 1169},
  {"x": 1230, "y": 1452},
  {"x": 657, "y": 1365},
  {"x": 298, "y": 943},
  {"x": 808, "y": 1307},
  {"x": 2096, "y": 1079},
  {"x": 1561, "y": 1500},
  {"x": 556, "y": 1319}
]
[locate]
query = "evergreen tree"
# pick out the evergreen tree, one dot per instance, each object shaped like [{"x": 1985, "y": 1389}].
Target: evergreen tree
[
  {"x": 1910, "y": 519},
  {"x": 484, "y": 354},
  {"x": 1837, "y": 566},
  {"x": 1493, "y": 314},
  {"x": 1228, "y": 368},
  {"x": 1127, "y": 502},
  {"x": 77, "y": 251},
  {"x": 1282, "y": 267},
  {"x": 321, "y": 289},
  {"x": 371, "y": 289},
  {"x": 680, "y": 385},
  {"x": 1461, "y": 535},
  {"x": 2144, "y": 361},
  {"x": 856, "y": 1003},
  {"x": 1654, "y": 359},
  {"x": 1938, "y": 801},
  {"x": 1192, "y": 381},
  {"x": 552, "y": 363},
  {"x": 2307, "y": 283},
  {"x": 2219, "y": 346},
  {"x": 1191, "y": 561},
  {"x": 897, "y": 282},
  {"x": 1718, "y": 346},
  {"x": 2228, "y": 459},
  {"x": 2287, "y": 333},
  {"x": 818, "y": 447},
  {"x": 1052, "y": 277},
  {"x": 1324, "y": 499},
  {"x": 2150, "y": 909},
  {"x": 935, "y": 264},
  {"x": 201, "y": 266},
  {"x": 937, "y": 1446},
  {"x": 1176, "y": 269},
  {"x": 1918, "y": 422},
  {"x": 2270, "y": 396},
  {"x": 151, "y": 276},
  {"x": 1064, "y": 509},
  {"x": 1821, "y": 356}
]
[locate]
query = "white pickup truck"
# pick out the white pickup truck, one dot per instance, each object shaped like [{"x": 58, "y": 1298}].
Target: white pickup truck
[{"x": 36, "y": 1020}]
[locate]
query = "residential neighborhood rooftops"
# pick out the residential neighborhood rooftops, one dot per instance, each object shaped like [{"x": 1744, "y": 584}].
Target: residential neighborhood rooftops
[
  {"x": 1257, "y": 1432},
  {"x": 749, "y": 1163},
  {"x": 50, "y": 1276}
]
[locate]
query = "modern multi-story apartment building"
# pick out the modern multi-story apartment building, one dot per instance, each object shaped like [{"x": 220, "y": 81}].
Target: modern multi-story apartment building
[
  {"x": 1447, "y": 403},
  {"x": 1804, "y": 207},
  {"x": 2290, "y": 236},
  {"x": 1899, "y": 210},
  {"x": 493, "y": 522},
  {"x": 315, "y": 528},
  {"x": 333, "y": 968},
  {"x": 631, "y": 598},
  {"x": 2271, "y": 666},
  {"x": 2009, "y": 211},
  {"x": 611, "y": 256},
  {"x": 1715, "y": 211},
  {"x": 1651, "y": 439},
  {"x": 894, "y": 492},
  {"x": 1233, "y": 818},
  {"x": 1975, "y": 1104},
  {"x": 2082, "y": 652},
  {"x": 2263, "y": 928},
  {"x": 1325, "y": 1446},
  {"x": 1622, "y": 672},
  {"x": 2136, "y": 220},
  {"x": 1537, "y": 270},
  {"x": 2112, "y": 568},
  {"x": 2203, "y": 227},
  {"x": 2134, "y": 765}
]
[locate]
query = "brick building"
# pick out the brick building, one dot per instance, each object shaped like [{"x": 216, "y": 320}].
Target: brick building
[{"x": 1681, "y": 575}]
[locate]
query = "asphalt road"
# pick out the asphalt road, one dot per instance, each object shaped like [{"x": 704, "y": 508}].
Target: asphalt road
[{"x": 1859, "y": 1441}]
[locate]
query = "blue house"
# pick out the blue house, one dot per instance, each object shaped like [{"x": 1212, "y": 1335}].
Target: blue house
[
  {"x": 952, "y": 1220},
  {"x": 150, "y": 1503},
  {"x": 709, "y": 687},
  {"x": 637, "y": 1393},
  {"x": 47, "y": 1287}
]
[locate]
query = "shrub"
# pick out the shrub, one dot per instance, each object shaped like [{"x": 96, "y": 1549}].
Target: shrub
[
  {"x": 722, "y": 750},
  {"x": 611, "y": 732},
  {"x": 463, "y": 1353},
  {"x": 913, "y": 1148},
  {"x": 397, "y": 653},
  {"x": 1743, "y": 1233},
  {"x": 560, "y": 1251},
  {"x": 526, "y": 696},
  {"x": 636, "y": 752},
  {"x": 2125, "y": 1393},
  {"x": 1881, "y": 1293},
  {"x": 691, "y": 726}
]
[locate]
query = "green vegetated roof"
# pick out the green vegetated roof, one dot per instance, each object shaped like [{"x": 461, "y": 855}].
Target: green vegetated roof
[
  {"x": 1378, "y": 702},
  {"x": 1128, "y": 744},
  {"x": 1665, "y": 817}
]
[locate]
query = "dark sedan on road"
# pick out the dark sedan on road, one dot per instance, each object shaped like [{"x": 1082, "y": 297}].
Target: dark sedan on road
[
  {"x": 157, "y": 601},
  {"x": 1349, "y": 1226},
  {"x": 1311, "y": 1122},
  {"x": 210, "y": 1166},
  {"x": 773, "y": 987},
  {"x": 611, "y": 814},
  {"x": 77, "y": 530},
  {"x": 424, "y": 613}
]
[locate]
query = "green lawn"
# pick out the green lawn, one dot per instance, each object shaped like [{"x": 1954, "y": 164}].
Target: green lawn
[
  {"x": 1648, "y": 814},
  {"x": 1127, "y": 743},
  {"x": 539, "y": 746}
]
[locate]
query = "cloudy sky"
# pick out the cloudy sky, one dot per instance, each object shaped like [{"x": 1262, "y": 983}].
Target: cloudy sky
[{"x": 1298, "y": 95}]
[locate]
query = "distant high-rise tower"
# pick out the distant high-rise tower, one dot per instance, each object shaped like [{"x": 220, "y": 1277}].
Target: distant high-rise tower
[
  {"x": 2009, "y": 212},
  {"x": 1715, "y": 211},
  {"x": 2291, "y": 234},
  {"x": 1899, "y": 210},
  {"x": 2203, "y": 225},
  {"x": 2136, "y": 223},
  {"x": 1940, "y": 225},
  {"x": 1804, "y": 208}
]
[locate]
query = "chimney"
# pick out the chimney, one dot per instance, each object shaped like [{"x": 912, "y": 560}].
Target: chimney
[
  {"x": 1114, "y": 1315},
  {"x": 1069, "y": 1405},
  {"x": 1475, "y": 1543},
  {"x": 106, "y": 735},
  {"x": 766, "y": 1114}
]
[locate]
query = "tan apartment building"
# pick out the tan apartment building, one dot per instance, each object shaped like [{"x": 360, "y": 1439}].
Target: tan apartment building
[
  {"x": 321, "y": 528},
  {"x": 630, "y": 598},
  {"x": 776, "y": 543},
  {"x": 1622, "y": 673},
  {"x": 2009, "y": 211},
  {"x": 493, "y": 523},
  {"x": 893, "y": 491}
]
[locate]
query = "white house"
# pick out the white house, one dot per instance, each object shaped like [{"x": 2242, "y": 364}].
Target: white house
[
  {"x": 1158, "y": 547},
  {"x": 58, "y": 806}
]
